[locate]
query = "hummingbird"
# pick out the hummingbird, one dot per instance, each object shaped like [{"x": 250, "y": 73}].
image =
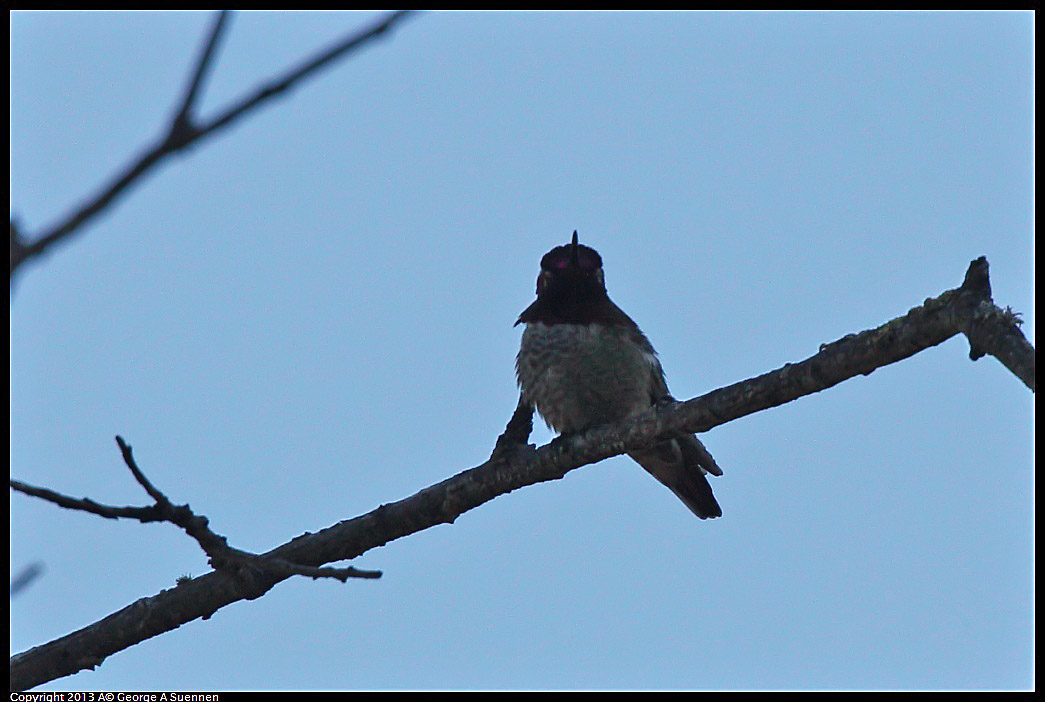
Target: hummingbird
[{"x": 584, "y": 362}]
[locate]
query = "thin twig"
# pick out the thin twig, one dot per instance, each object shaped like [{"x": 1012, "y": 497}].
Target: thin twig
[
  {"x": 128, "y": 459},
  {"x": 294, "y": 75},
  {"x": 17, "y": 245},
  {"x": 221, "y": 555},
  {"x": 25, "y": 577},
  {"x": 181, "y": 133},
  {"x": 183, "y": 117},
  {"x": 342, "y": 574},
  {"x": 142, "y": 514}
]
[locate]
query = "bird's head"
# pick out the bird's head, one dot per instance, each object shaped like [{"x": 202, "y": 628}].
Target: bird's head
[
  {"x": 572, "y": 271},
  {"x": 571, "y": 289}
]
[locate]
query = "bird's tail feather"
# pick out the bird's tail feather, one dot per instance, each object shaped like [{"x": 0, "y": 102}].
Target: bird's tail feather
[{"x": 681, "y": 465}]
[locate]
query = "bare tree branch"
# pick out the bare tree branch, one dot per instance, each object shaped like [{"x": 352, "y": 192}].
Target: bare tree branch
[
  {"x": 183, "y": 117},
  {"x": 996, "y": 331},
  {"x": 967, "y": 309},
  {"x": 142, "y": 514},
  {"x": 182, "y": 131},
  {"x": 222, "y": 556},
  {"x": 240, "y": 564},
  {"x": 25, "y": 577}
]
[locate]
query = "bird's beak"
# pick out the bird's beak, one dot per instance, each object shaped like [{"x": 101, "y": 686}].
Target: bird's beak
[{"x": 575, "y": 253}]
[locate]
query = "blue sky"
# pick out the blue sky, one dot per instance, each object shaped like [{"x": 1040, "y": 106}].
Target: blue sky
[{"x": 311, "y": 314}]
